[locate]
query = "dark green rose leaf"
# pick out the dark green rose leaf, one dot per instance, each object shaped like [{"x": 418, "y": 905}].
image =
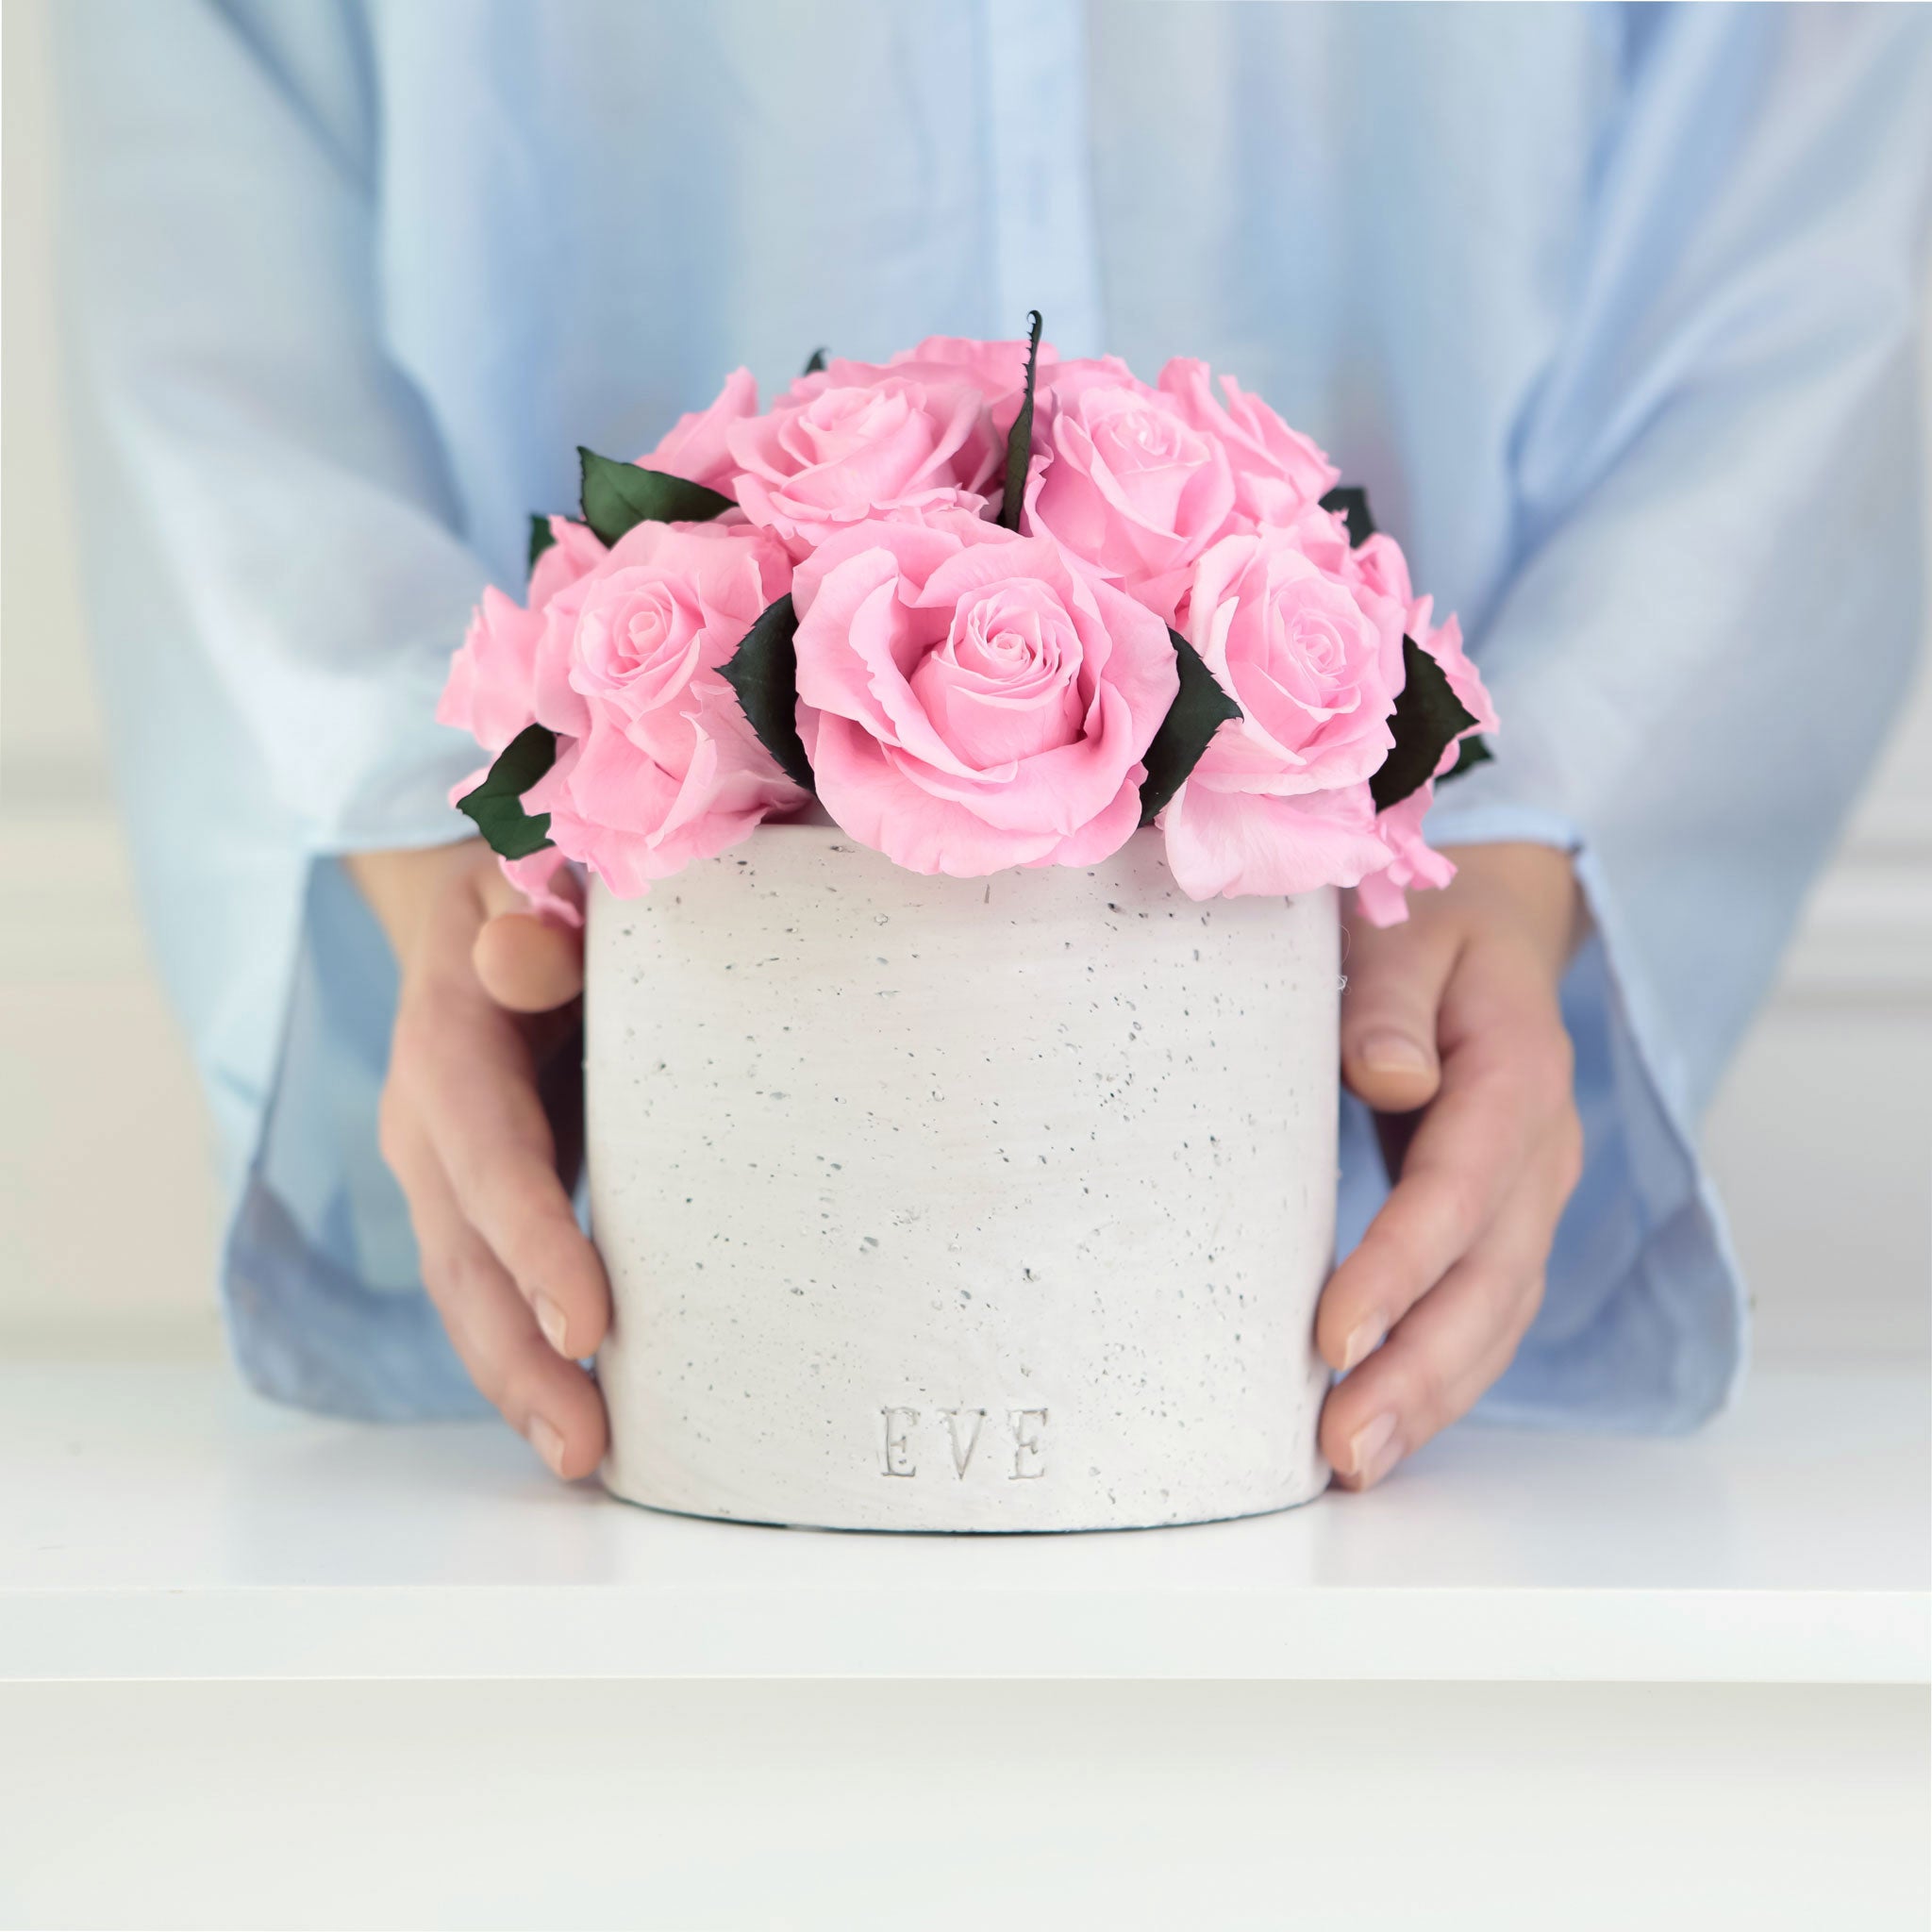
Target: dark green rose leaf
[
  {"x": 497, "y": 804},
  {"x": 1473, "y": 753},
  {"x": 764, "y": 673},
  {"x": 618, "y": 496},
  {"x": 1197, "y": 713},
  {"x": 816, "y": 362},
  {"x": 1020, "y": 437},
  {"x": 1350, "y": 502},
  {"x": 1428, "y": 717},
  {"x": 542, "y": 538}
]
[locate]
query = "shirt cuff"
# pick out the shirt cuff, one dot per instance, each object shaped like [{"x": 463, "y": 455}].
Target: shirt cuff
[{"x": 1645, "y": 1322}]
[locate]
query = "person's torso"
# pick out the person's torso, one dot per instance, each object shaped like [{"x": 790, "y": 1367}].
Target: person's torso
[{"x": 1375, "y": 217}]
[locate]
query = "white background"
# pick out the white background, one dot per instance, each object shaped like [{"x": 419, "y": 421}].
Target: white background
[{"x": 1822, "y": 1139}]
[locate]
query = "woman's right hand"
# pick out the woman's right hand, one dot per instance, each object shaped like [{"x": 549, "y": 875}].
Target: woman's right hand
[{"x": 486, "y": 1012}]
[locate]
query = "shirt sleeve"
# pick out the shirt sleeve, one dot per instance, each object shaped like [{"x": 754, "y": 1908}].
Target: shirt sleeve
[
  {"x": 277, "y": 572},
  {"x": 1712, "y": 620},
  {"x": 219, "y": 164}
]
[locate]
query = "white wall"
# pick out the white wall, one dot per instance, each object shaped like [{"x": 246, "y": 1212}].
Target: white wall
[{"x": 1822, "y": 1137}]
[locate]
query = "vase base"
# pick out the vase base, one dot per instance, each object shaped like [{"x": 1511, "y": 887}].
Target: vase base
[{"x": 820, "y": 1520}]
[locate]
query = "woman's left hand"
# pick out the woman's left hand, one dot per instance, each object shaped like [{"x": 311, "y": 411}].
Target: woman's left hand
[{"x": 1451, "y": 1031}]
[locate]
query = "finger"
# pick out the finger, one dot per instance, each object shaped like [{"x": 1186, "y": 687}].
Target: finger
[
  {"x": 525, "y": 964},
  {"x": 493, "y": 1142},
  {"x": 1504, "y": 1092},
  {"x": 1461, "y": 1162},
  {"x": 551, "y": 1402},
  {"x": 1395, "y": 976},
  {"x": 1448, "y": 1350}
]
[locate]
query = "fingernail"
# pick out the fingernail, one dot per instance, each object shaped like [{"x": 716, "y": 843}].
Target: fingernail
[
  {"x": 546, "y": 1441},
  {"x": 550, "y": 1319},
  {"x": 1373, "y": 1450},
  {"x": 1363, "y": 1339},
  {"x": 1391, "y": 1052}
]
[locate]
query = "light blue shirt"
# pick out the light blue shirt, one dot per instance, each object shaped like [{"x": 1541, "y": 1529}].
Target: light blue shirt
[{"x": 1613, "y": 311}]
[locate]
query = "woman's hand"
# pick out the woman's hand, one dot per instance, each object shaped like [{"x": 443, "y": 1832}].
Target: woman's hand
[
  {"x": 485, "y": 1014},
  {"x": 1451, "y": 1031}
]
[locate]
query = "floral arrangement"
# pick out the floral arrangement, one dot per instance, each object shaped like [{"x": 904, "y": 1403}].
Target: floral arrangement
[{"x": 988, "y": 608}]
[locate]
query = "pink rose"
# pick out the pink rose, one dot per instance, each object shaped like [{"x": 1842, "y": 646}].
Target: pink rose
[
  {"x": 663, "y": 768},
  {"x": 1415, "y": 862},
  {"x": 1279, "y": 800},
  {"x": 971, "y": 700},
  {"x": 1375, "y": 573},
  {"x": 695, "y": 447},
  {"x": 861, "y": 440},
  {"x": 997, "y": 369},
  {"x": 1128, "y": 485},
  {"x": 490, "y": 691},
  {"x": 557, "y": 701},
  {"x": 1277, "y": 471}
]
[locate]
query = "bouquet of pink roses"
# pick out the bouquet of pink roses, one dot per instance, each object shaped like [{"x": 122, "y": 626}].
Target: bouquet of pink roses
[{"x": 988, "y": 608}]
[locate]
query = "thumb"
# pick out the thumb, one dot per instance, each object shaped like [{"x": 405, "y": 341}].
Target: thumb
[
  {"x": 1395, "y": 976},
  {"x": 526, "y": 964}
]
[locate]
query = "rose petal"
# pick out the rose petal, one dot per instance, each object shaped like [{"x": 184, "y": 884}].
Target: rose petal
[{"x": 1229, "y": 843}]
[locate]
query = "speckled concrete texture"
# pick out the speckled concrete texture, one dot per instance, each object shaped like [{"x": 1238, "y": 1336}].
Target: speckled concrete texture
[{"x": 961, "y": 1203}]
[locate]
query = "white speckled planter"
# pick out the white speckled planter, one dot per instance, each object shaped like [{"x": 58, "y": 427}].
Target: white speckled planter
[{"x": 960, "y": 1204}]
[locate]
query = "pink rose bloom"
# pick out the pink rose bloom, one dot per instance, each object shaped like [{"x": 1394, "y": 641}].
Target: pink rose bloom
[
  {"x": 664, "y": 768},
  {"x": 1277, "y": 471},
  {"x": 1127, "y": 484},
  {"x": 1382, "y": 896},
  {"x": 491, "y": 688},
  {"x": 1375, "y": 573},
  {"x": 558, "y": 702},
  {"x": 695, "y": 446},
  {"x": 1280, "y": 801},
  {"x": 971, "y": 700},
  {"x": 860, "y": 441},
  {"x": 997, "y": 369},
  {"x": 490, "y": 691}
]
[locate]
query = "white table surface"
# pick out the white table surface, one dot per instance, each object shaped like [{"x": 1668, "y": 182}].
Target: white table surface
[{"x": 157, "y": 1522}]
